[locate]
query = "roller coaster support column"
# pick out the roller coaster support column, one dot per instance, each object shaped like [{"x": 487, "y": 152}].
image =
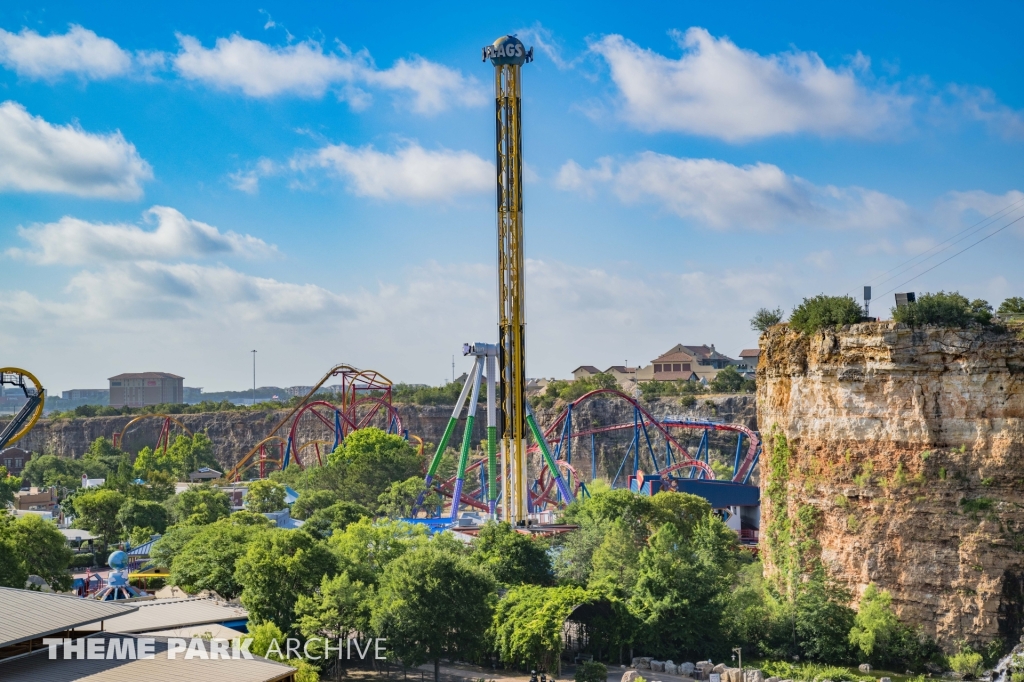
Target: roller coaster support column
[
  {"x": 467, "y": 436},
  {"x": 448, "y": 430},
  {"x": 542, "y": 443}
]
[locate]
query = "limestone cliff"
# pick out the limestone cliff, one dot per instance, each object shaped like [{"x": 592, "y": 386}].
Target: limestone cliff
[
  {"x": 233, "y": 433},
  {"x": 910, "y": 446}
]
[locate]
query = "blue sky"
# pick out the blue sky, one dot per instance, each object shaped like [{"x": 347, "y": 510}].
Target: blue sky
[{"x": 182, "y": 184}]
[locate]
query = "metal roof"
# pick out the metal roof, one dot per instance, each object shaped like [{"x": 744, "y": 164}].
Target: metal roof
[
  {"x": 39, "y": 668},
  {"x": 29, "y": 614},
  {"x": 145, "y": 375},
  {"x": 76, "y": 534},
  {"x": 164, "y": 614}
]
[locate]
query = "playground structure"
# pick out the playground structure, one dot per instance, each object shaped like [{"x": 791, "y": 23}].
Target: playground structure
[
  {"x": 316, "y": 427},
  {"x": 163, "y": 440},
  {"x": 29, "y": 414}
]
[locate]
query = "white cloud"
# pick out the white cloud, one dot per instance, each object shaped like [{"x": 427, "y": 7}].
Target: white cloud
[
  {"x": 37, "y": 156},
  {"x": 71, "y": 241},
  {"x": 980, "y": 210},
  {"x": 719, "y": 90},
  {"x": 982, "y": 105},
  {"x": 305, "y": 69},
  {"x": 721, "y": 195},
  {"x": 79, "y": 51},
  {"x": 201, "y": 321},
  {"x": 411, "y": 174}
]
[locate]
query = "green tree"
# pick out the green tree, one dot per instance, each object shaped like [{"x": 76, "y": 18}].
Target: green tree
[
  {"x": 1012, "y": 306},
  {"x": 824, "y": 312},
  {"x": 184, "y": 455},
  {"x": 369, "y": 461},
  {"x": 276, "y": 568},
  {"x": 431, "y": 605},
  {"x": 875, "y": 624},
  {"x": 340, "y": 607},
  {"x": 512, "y": 557},
  {"x": 399, "y": 499},
  {"x": 365, "y": 548},
  {"x": 103, "y": 452},
  {"x": 270, "y": 642},
  {"x": 728, "y": 380},
  {"x": 12, "y": 572},
  {"x": 527, "y": 626},
  {"x": 591, "y": 671},
  {"x": 823, "y": 620},
  {"x": 97, "y": 511},
  {"x": 264, "y": 496},
  {"x": 200, "y": 505},
  {"x": 8, "y": 486},
  {"x": 681, "y": 590},
  {"x": 208, "y": 560},
  {"x": 171, "y": 543},
  {"x": 142, "y": 514},
  {"x": 764, "y": 318},
  {"x": 39, "y": 549},
  {"x": 616, "y": 559},
  {"x": 311, "y": 501},
  {"x": 945, "y": 310},
  {"x": 337, "y": 517}
]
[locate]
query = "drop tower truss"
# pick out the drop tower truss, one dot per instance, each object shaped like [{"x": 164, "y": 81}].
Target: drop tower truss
[{"x": 508, "y": 55}]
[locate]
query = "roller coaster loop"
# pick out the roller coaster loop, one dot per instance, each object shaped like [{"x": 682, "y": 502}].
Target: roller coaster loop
[
  {"x": 163, "y": 440},
  {"x": 357, "y": 386}
]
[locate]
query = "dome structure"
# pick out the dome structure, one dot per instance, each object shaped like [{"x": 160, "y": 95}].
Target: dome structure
[{"x": 508, "y": 49}]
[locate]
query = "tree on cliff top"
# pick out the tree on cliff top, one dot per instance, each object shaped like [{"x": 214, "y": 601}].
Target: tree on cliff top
[
  {"x": 823, "y": 312},
  {"x": 1012, "y": 306},
  {"x": 764, "y": 318},
  {"x": 945, "y": 310}
]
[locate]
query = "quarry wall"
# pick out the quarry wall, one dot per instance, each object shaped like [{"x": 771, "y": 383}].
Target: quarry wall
[
  {"x": 896, "y": 456},
  {"x": 233, "y": 433}
]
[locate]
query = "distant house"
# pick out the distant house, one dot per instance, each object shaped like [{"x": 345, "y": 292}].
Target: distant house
[
  {"x": 92, "y": 482},
  {"x": 585, "y": 371},
  {"x": 37, "y": 499},
  {"x": 204, "y": 474},
  {"x": 145, "y": 388},
  {"x": 749, "y": 357},
  {"x": 688, "y": 363}
]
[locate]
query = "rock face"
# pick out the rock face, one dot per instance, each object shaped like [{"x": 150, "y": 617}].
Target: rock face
[
  {"x": 900, "y": 453},
  {"x": 234, "y": 432}
]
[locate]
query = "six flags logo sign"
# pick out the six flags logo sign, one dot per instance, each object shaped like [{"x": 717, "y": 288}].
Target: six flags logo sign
[{"x": 510, "y": 50}]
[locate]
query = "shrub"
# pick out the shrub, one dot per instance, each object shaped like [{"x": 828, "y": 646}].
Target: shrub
[
  {"x": 968, "y": 663},
  {"x": 823, "y": 312},
  {"x": 945, "y": 310},
  {"x": 1012, "y": 306},
  {"x": 977, "y": 504},
  {"x": 83, "y": 560},
  {"x": 591, "y": 671}
]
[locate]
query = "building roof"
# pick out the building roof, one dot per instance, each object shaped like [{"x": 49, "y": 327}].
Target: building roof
[
  {"x": 215, "y": 631},
  {"x": 750, "y": 352},
  {"x": 621, "y": 369},
  {"x": 589, "y": 368},
  {"x": 39, "y": 614},
  {"x": 76, "y": 534},
  {"x": 38, "y": 667},
  {"x": 163, "y": 614},
  {"x": 145, "y": 375}
]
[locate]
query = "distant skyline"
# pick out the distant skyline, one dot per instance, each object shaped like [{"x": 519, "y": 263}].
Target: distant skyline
[{"x": 181, "y": 183}]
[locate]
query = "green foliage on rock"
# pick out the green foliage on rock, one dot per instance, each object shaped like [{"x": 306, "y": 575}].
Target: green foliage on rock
[
  {"x": 184, "y": 455},
  {"x": 944, "y": 310},
  {"x": 729, "y": 380},
  {"x": 825, "y": 312},
  {"x": 567, "y": 391},
  {"x": 1012, "y": 306}
]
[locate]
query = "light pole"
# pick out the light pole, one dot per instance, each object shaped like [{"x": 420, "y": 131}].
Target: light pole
[
  {"x": 739, "y": 652},
  {"x": 254, "y": 378}
]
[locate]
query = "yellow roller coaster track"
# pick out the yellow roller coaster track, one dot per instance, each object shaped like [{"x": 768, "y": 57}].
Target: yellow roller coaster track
[{"x": 37, "y": 413}]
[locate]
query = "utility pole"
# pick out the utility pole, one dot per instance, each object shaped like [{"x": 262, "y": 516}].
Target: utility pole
[{"x": 254, "y": 378}]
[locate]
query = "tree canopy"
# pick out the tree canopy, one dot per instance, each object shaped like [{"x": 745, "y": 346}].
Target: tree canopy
[
  {"x": 512, "y": 557},
  {"x": 942, "y": 309},
  {"x": 825, "y": 312},
  {"x": 264, "y": 496}
]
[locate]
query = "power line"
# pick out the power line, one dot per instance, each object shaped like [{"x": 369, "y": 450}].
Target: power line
[
  {"x": 969, "y": 230},
  {"x": 991, "y": 234}
]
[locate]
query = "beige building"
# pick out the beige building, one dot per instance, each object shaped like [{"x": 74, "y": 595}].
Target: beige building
[
  {"x": 624, "y": 376},
  {"x": 145, "y": 388},
  {"x": 686, "y": 363}
]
